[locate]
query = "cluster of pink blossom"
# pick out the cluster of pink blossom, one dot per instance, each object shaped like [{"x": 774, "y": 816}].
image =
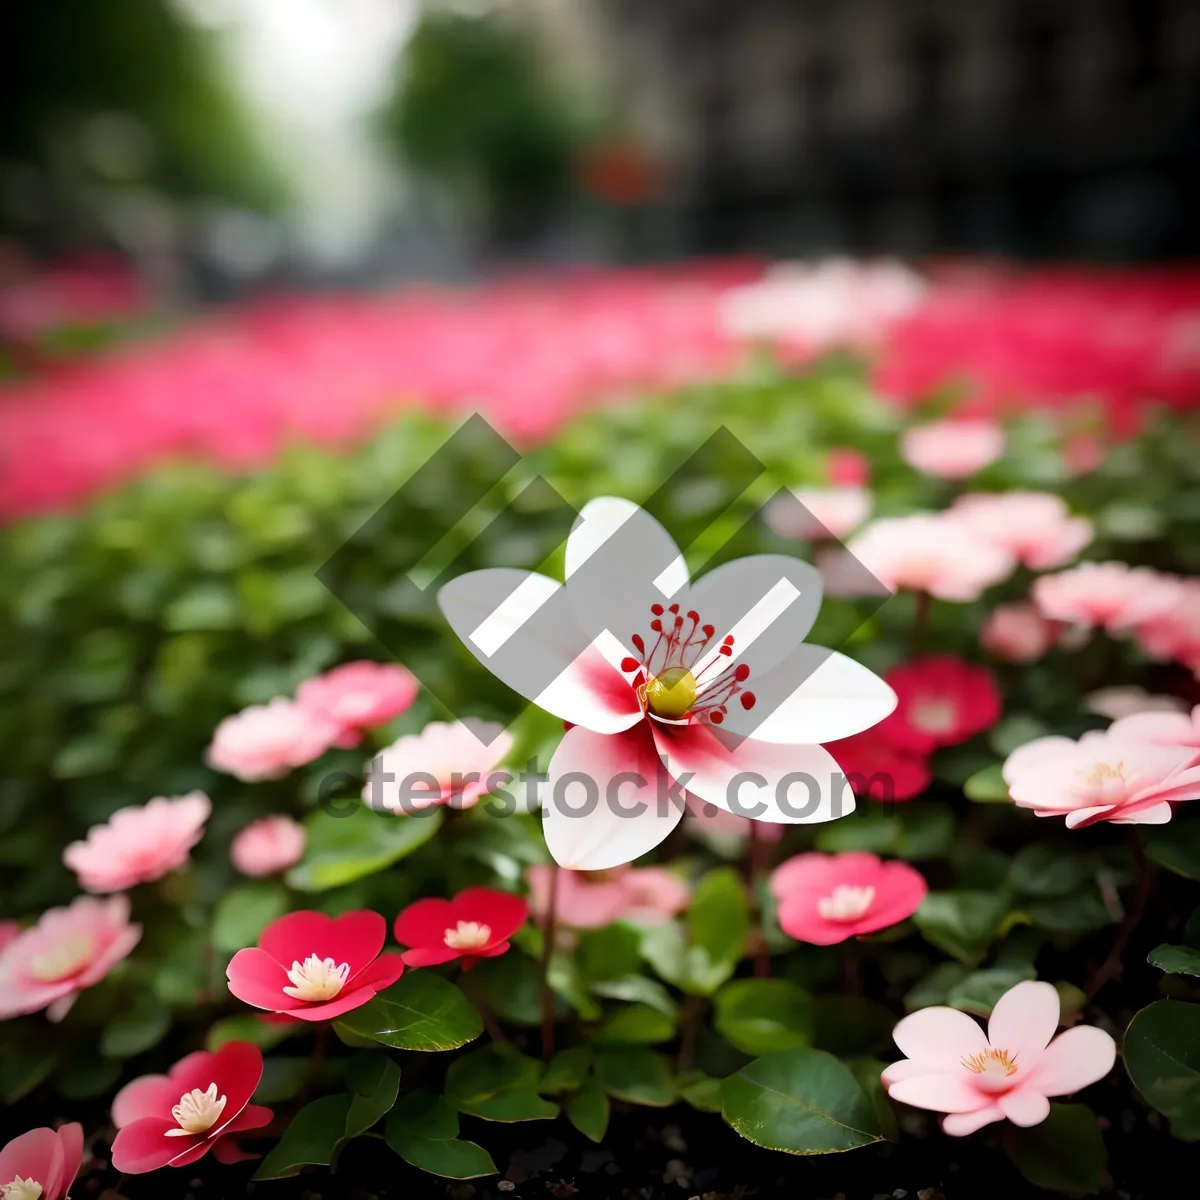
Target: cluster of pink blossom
[
  {"x": 1051, "y": 338},
  {"x": 91, "y": 289}
]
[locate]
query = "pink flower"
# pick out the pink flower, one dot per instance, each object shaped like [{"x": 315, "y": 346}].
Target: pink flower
[
  {"x": 266, "y": 741},
  {"x": 139, "y": 844},
  {"x": 818, "y": 512},
  {"x": 1105, "y": 776},
  {"x": 875, "y": 767},
  {"x": 942, "y": 701},
  {"x": 1017, "y": 633},
  {"x": 930, "y": 553},
  {"x": 335, "y": 965},
  {"x": 1161, "y": 727},
  {"x": 952, "y": 449},
  {"x": 704, "y": 818},
  {"x": 68, "y": 950},
  {"x": 359, "y": 695},
  {"x": 41, "y": 1164},
  {"x": 476, "y": 924},
  {"x": 448, "y": 762},
  {"x": 1111, "y": 595},
  {"x": 591, "y": 899},
  {"x": 1035, "y": 527},
  {"x": 268, "y": 845},
  {"x": 827, "y": 898},
  {"x": 1117, "y": 702},
  {"x": 1174, "y": 632},
  {"x": 647, "y": 700},
  {"x": 9, "y": 931},
  {"x": 847, "y": 468},
  {"x": 952, "y": 1067},
  {"x": 173, "y": 1120}
]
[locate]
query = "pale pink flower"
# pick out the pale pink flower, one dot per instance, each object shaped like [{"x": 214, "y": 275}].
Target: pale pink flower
[
  {"x": 448, "y": 762},
  {"x": 358, "y": 696},
  {"x": 1117, "y": 702},
  {"x": 952, "y": 449},
  {"x": 1017, "y": 633},
  {"x": 266, "y": 741},
  {"x": 140, "y": 843},
  {"x": 953, "y": 1067},
  {"x": 9, "y": 930},
  {"x": 592, "y": 899},
  {"x": 1176, "y": 729},
  {"x": 1105, "y": 776},
  {"x": 819, "y": 513},
  {"x": 826, "y": 898},
  {"x": 646, "y": 699},
  {"x": 928, "y": 552},
  {"x": 1174, "y": 633},
  {"x": 68, "y": 950},
  {"x": 268, "y": 845},
  {"x": 708, "y": 820},
  {"x": 1112, "y": 595},
  {"x": 1036, "y": 527}
]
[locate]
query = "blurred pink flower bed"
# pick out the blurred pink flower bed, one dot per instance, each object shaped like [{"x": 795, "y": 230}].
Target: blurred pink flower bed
[{"x": 236, "y": 386}]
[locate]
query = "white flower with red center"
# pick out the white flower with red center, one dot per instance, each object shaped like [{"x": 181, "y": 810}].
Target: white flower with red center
[
  {"x": 668, "y": 685},
  {"x": 1111, "y": 775},
  {"x": 314, "y": 967},
  {"x": 1010, "y": 1072},
  {"x": 172, "y": 1120}
]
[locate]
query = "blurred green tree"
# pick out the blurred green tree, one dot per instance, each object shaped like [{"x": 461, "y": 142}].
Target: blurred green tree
[
  {"x": 123, "y": 92},
  {"x": 474, "y": 108}
]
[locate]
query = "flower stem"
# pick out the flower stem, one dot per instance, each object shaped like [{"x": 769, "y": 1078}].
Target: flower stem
[
  {"x": 758, "y": 864},
  {"x": 547, "y": 995},
  {"x": 692, "y": 1008},
  {"x": 1111, "y": 966},
  {"x": 317, "y": 1063}
]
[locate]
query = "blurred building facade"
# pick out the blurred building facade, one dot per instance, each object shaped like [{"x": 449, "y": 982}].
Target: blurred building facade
[{"x": 1030, "y": 127}]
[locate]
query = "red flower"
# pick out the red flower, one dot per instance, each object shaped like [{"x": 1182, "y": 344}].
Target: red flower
[
  {"x": 476, "y": 924},
  {"x": 313, "y": 967},
  {"x": 875, "y": 768},
  {"x": 42, "y": 1163},
  {"x": 172, "y": 1120},
  {"x": 942, "y": 701}
]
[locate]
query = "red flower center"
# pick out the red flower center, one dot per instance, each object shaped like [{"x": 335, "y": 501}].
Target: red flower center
[{"x": 680, "y": 677}]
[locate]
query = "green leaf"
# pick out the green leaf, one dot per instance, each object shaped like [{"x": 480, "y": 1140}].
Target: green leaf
[
  {"x": 246, "y": 1027},
  {"x": 84, "y": 1076},
  {"x": 588, "y": 1110},
  {"x": 717, "y": 922},
  {"x": 963, "y": 924},
  {"x": 1175, "y": 960},
  {"x": 509, "y": 986},
  {"x": 1015, "y": 731},
  {"x": 341, "y": 849},
  {"x": 761, "y": 1015},
  {"x": 1175, "y": 846},
  {"x": 498, "y": 1084},
  {"x": 980, "y": 990},
  {"x": 635, "y": 1024},
  {"x": 282, "y": 1078},
  {"x": 700, "y": 1089},
  {"x": 567, "y": 1070},
  {"x": 613, "y": 952},
  {"x": 912, "y": 831},
  {"x": 851, "y": 1025},
  {"x": 1162, "y": 1055},
  {"x": 310, "y": 1140},
  {"x": 27, "y": 1059},
  {"x": 373, "y": 1081},
  {"x": 421, "y": 1011},
  {"x": 423, "y": 1130},
  {"x": 800, "y": 1102},
  {"x": 1064, "y": 1153},
  {"x": 636, "y": 1074},
  {"x": 868, "y": 1072},
  {"x": 935, "y": 988},
  {"x": 1079, "y": 912},
  {"x": 245, "y": 911},
  {"x": 1041, "y": 870},
  {"x": 987, "y": 786},
  {"x": 144, "y": 1024},
  {"x": 638, "y": 989}
]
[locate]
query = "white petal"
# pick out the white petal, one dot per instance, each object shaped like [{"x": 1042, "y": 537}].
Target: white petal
[
  {"x": 771, "y": 597},
  {"x": 815, "y": 696},
  {"x": 620, "y": 561},
  {"x": 521, "y": 627},
  {"x": 786, "y": 785},
  {"x": 606, "y": 801}
]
